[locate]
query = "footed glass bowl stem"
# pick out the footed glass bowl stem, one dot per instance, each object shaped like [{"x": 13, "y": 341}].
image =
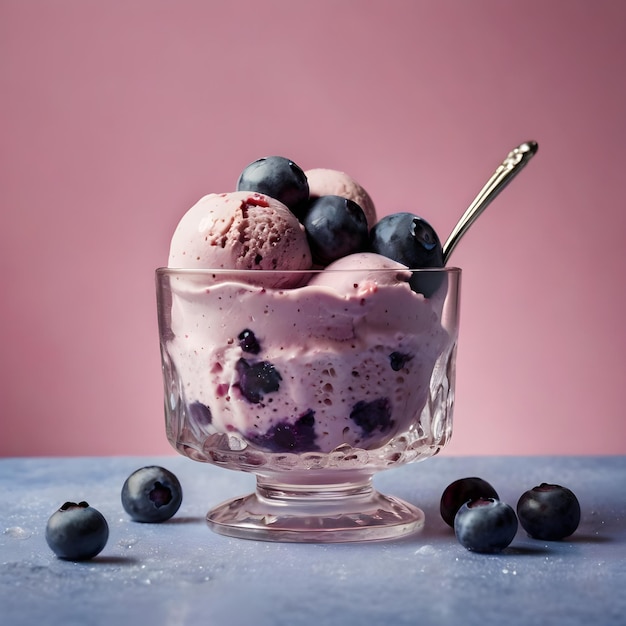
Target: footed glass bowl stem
[{"x": 335, "y": 512}]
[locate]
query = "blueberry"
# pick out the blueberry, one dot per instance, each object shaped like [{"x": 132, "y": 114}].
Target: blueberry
[
  {"x": 151, "y": 494},
  {"x": 398, "y": 360},
  {"x": 549, "y": 512},
  {"x": 286, "y": 437},
  {"x": 485, "y": 525},
  {"x": 77, "y": 532},
  {"x": 371, "y": 416},
  {"x": 257, "y": 379},
  {"x": 408, "y": 239},
  {"x": 412, "y": 241},
  {"x": 279, "y": 178},
  {"x": 200, "y": 413},
  {"x": 335, "y": 227},
  {"x": 248, "y": 342},
  {"x": 459, "y": 492}
]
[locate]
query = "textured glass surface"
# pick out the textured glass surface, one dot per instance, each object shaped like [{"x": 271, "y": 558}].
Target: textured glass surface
[{"x": 313, "y": 388}]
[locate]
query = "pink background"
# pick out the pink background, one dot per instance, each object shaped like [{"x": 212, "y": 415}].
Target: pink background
[{"x": 117, "y": 116}]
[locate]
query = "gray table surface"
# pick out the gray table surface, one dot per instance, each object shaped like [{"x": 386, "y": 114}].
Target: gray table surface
[{"x": 180, "y": 572}]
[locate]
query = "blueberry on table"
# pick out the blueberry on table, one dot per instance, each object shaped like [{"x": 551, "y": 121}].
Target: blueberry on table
[
  {"x": 151, "y": 494},
  {"x": 412, "y": 241},
  {"x": 335, "y": 227},
  {"x": 277, "y": 177},
  {"x": 549, "y": 512},
  {"x": 485, "y": 525},
  {"x": 77, "y": 532},
  {"x": 459, "y": 492}
]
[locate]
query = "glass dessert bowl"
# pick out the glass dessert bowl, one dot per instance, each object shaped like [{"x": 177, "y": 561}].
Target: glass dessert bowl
[{"x": 314, "y": 381}]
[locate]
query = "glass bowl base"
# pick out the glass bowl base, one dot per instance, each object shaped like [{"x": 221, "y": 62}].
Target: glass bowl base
[{"x": 316, "y": 514}]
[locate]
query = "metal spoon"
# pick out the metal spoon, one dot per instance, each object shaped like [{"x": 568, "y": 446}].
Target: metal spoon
[{"x": 510, "y": 167}]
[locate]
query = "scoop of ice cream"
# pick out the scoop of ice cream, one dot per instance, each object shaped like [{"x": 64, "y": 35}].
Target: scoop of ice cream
[
  {"x": 327, "y": 182},
  {"x": 368, "y": 271},
  {"x": 241, "y": 230}
]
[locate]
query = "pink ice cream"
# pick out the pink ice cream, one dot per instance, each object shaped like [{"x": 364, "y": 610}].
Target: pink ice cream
[
  {"x": 344, "y": 360},
  {"x": 367, "y": 271},
  {"x": 328, "y": 182},
  {"x": 241, "y": 230}
]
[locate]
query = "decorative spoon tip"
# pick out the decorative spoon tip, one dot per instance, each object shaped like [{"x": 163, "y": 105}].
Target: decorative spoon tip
[{"x": 510, "y": 167}]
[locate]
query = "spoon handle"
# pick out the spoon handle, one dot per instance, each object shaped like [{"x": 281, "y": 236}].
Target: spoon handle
[{"x": 510, "y": 167}]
